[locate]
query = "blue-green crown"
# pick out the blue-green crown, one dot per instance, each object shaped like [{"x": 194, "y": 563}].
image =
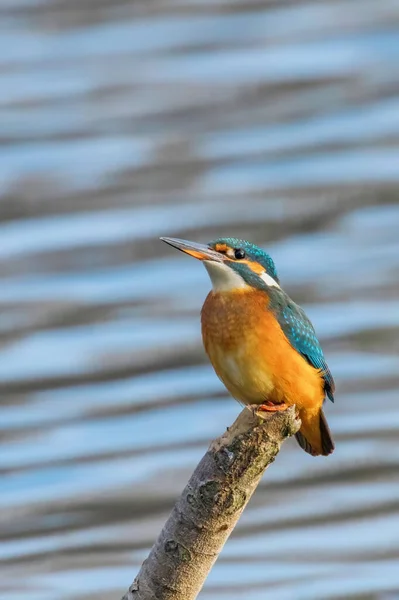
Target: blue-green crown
[{"x": 252, "y": 252}]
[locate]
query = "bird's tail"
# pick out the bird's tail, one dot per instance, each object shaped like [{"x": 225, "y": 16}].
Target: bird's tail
[{"x": 314, "y": 435}]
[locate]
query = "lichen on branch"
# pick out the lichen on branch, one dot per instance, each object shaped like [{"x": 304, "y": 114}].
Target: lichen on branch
[{"x": 210, "y": 506}]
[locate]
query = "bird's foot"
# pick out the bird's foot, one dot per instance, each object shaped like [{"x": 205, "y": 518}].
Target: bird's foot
[{"x": 271, "y": 407}]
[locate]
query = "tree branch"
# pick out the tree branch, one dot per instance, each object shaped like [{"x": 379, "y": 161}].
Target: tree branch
[{"x": 210, "y": 506}]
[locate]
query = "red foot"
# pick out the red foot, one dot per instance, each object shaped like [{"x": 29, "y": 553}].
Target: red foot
[{"x": 270, "y": 407}]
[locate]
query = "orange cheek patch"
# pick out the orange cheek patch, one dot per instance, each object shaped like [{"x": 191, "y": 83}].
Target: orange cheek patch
[{"x": 256, "y": 267}]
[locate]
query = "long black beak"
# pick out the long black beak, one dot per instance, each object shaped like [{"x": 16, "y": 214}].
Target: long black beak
[{"x": 200, "y": 251}]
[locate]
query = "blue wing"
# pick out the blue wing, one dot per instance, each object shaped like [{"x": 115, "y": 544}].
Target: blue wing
[{"x": 301, "y": 335}]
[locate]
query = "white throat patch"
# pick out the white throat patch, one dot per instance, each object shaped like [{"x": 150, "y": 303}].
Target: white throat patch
[
  {"x": 224, "y": 279},
  {"x": 268, "y": 280}
]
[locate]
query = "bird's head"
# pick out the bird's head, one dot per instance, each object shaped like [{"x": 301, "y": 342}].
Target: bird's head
[{"x": 232, "y": 264}]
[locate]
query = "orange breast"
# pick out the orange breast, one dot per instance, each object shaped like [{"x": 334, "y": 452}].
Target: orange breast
[{"x": 251, "y": 354}]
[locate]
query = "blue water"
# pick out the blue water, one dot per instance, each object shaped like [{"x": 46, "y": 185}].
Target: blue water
[{"x": 121, "y": 122}]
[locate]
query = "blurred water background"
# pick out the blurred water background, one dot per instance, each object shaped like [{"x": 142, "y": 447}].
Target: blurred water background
[{"x": 123, "y": 120}]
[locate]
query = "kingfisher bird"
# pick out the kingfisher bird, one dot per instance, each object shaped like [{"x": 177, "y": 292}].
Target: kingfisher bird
[{"x": 261, "y": 344}]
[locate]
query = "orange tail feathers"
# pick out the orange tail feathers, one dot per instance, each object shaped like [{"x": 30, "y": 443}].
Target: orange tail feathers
[{"x": 315, "y": 436}]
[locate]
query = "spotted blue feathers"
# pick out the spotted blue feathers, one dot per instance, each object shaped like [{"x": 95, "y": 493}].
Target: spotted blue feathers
[{"x": 301, "y": 335}]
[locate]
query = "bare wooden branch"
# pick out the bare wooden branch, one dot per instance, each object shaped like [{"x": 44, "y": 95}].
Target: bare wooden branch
[{"x": 210, "y": 506}]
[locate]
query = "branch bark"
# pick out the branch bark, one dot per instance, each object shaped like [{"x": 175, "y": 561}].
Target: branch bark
[{"x": 210, "y": 506}]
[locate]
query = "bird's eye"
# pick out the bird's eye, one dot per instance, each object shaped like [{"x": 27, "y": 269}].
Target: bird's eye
[{"x": 239, "y": 253}]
